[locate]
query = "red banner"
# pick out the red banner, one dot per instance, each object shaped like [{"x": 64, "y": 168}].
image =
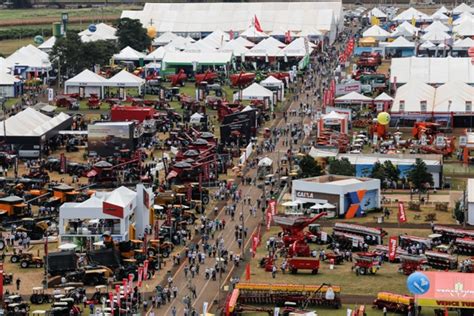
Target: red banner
[
  {"x": 402, "y": 216},
  {"x": 145, "y": 270},
  {"x": 111, "y": 298},
  {"x": 247, "y": 272},
  {"x": 269, "y": 220},
  {"x": 111, "y": 209},
  {"x": 272, "y": 207},
  {"x": 117, "y": 292},
  {"x": 140, "y": 276},
  {"x": 125, "y": 287},
  {"x": 392, "y": 248}
]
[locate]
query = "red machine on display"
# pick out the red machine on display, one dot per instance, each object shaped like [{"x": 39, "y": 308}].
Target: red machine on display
[
  {"x": 294, "y": 236},
  {"x": 410, "y": 264},
  {"x": 366, "y": 263},
  {"x": 120, "y": 113},
  {"x": 242, "y": 79},
  {"x": 280, "y": 75},
  {"x": 208, "y": 76},
  {"x": 225, "y": 108},
  {"x": 94, "y": 102},
  {"x": 430, "y": 129},
  {"x": 178, "y": 79}
]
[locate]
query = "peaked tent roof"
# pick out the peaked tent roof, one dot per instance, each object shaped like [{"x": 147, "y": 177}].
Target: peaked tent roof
[
  {"x": 199, "y": 47},
  {"x": 104, "y": 30},
  {"x": 466, "y": 28},
  {"x": 375, "y": 31},
  {"x": 383, "y": 97},
  {"x": 442, "y": 10},
  {"x": 129, "y": 53},
  {"x": 436, "y": 36},
  {"x": 122, "y": 196},
  {"x": 436, "y": 26},
  {"x": 411, "y": 13},
  {"x": 353, "y": 96},
  {"x": 452, "y": 97},
  {"x": 377, "y": 13},
  {"x": 48, "y": 44},
  {"x": 87, "y": 76},
  {"x": 333, "y": 115},
  {"x": 157, "y": 54},
  {"x": 463, "y": 8},
  {"x": 427, "y": 44},
  {"x": 296, "y": 48},
  {"x": 216, "y": 39},
  {"x": 124, "y": 78},
  {"x": 234, "y": 46},
  {"x": 256, "y": 90},
  {"x": 252, "y": 32},
  {"x": 464, "y": 43},
  {"x": 164, "y": 38},
  {"x": 271, "y": 81},
  {"x": 412, "y": 93},
  {"x": 401, "y": 42},
  {"x": 268, "y": 47},
  {"x": 179, "y": 43},
  {"x": 466, "y": 16},
  {"x": 28, "y": 56},
  {"x": 439, "y": 16},
  {"x": 310, "y": 32}
]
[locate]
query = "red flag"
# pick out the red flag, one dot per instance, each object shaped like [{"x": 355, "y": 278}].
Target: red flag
[
  {"x": 145, "y": 270},
  {"x": 145, "y": 241},
  {"x": 392, "y": 248},
  {"x": 111, "y": 298},
  {"x": 117, "y": 292},
  {"x": 247, "y": 272},
  {"x": 46, "y": 246},
  {"x": 256, "y": 23},
  {"x": 269, "y": 220},
  {"x": 140, "y": 276},
  {"x": 402, "y": 216},
  {"x": 272, "y": 207},
  {"x": 231, "y": 35},
  {"x": 1, "y": 281}
]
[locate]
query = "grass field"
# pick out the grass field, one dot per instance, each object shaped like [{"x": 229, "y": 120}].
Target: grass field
[{"x": 8, "y": 47}]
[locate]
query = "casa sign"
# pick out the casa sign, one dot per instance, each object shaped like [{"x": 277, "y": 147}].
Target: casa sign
[{"x": 305, "y": 194}]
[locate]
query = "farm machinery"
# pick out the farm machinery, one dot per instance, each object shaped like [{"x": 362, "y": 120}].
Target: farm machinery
[
  {"x": 369, "y": 60},
  {"x": 208, "y": 76},
  {"x": 442, "y": 261},
  {"x": 411, "y": 263},
  {"x": 94, "y": 102},
  {"x": 366, "y": 263},
  {"x": 371, "y": 235},
  {"x": 294, "y": 238},
  {"x": 395, "y": 303},
  {"x": 382, "y": 250},
  {"x": 464, "y": 246},
  {"x": 449, "y": 234},
  {"x": 178, "y": 79},
  {"x": 245, "y": 295},
  {"x": 242, "y": 79}
]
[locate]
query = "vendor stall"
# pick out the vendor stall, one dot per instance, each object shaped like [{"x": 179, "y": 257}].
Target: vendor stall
[
  {"x": 273, "y": 84},
  {"x": 129, "y": 54},
  {"x": 86, "y": 83},
  {"x": 10, "y": 86},
  {"x": 333, "y": 121},
  {"x": 123, "y": 80},
  {"x": 353, "y": 98},
  {"x": 255, "y": 92}
]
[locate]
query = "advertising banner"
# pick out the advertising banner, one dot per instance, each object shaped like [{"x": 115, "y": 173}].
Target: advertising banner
[
  {"x": 345, "y": 88},
  {"x": 107, "y": 139},
  {"x": 402, "y": 216},
  {"x": 392, "y": 248}
]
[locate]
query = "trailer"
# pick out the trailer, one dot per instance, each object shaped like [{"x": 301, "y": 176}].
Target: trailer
[
  {"x": 442, "y": 261},
  {"x": 365, "y": 263},
  {"x": 394, "y": 303},
  {"x": 464, "y": 246},
  {"x": 246, "y": 294},
  {"x": 303, "y": 263},
  {"x": 348, "y": 241},
  {"x": 382, "y": 250},
  {"x": 410, "y": 264},
  {"x": 449, "y": 233},
  {"x": 371, "y": 235},
  {"x": 406, "y": 241}
]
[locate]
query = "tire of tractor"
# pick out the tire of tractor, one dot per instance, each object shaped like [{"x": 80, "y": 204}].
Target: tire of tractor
[
  {"x": 16, "y": 309},
  {"x": 39, "y": 264},
  {"x": 315, "y": 271},
  {"x": 39, "y": 300},
  {"x": 294, "y": 271},
  {"x": 50, "y": 299},
  {"x": 94, "y": 281},
  {"x": 205, "y": 199},
  {"x": 165, "y": 254},
  {"x": 14, "y": 259},
  {"x": 357, "y": 271},
  {"x": 2, "y": 244},
  {"x": 24, "y": 264},
  {"x": 151, "y": 252},
  {"x": 148, "y": 275}
]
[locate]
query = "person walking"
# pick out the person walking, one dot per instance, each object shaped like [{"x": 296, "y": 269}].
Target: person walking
[{"x": 18, "y": 283}]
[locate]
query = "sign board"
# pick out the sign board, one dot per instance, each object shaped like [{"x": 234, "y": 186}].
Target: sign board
[
  {"x": 305, "y": 194},
  {"x": 347, "y": 112},
  {"x": 50, "y": 95},
  {"x": 345, "y": 88},
  {"x": 106, "y": 139}
]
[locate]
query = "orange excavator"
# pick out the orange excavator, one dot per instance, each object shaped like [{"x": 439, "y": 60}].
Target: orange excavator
[{"x": 428, "y": 128}]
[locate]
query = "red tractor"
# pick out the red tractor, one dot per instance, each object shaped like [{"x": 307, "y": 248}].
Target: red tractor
[
  {"x": 94, "y": 102},
  {"x": 293, "y": 237},
  {"x": 430, "y": 129},
  {"x": 225, "y": 108},
  {"x": 366, "y": 263},
  {"x": 410, "y": 264},
  {"x": 178, "y": 79}
]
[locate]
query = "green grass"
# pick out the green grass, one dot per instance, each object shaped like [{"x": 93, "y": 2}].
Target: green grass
[
  {"x": 8, "y": 47},
  {"x": 48, "y": 13}
]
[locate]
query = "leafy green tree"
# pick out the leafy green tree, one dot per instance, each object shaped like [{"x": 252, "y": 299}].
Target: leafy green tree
[
  {"x": 378, "y": 172},
  {"x": 131, "y": 33},
  {"x": 21, "y": 4},
  {"x": 98, "y": 52},
  {"x": 67, "y": 53},
  {"x": 309, "y": 167},
  {"x": 391, "y": 171},
  {"x": 419, "y": 176},
  {"x": 341, "y": 167}
]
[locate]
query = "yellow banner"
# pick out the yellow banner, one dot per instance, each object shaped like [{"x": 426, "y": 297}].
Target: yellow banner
[
  {"x": 413, "y": 21},
  {"x": 444, "y": 303}
]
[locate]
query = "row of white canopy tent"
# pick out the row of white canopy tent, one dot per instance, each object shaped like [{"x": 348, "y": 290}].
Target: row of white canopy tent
[
  {"x": 94, "y": 83},
  {"x": 103, "y": 32},
  {"x": 416, "y": 96},
  {"x": 28, "y": 56}
]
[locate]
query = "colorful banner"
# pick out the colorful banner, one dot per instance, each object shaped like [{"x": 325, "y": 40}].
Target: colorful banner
[
  {"x": 111, "y": 298},
  {"x": 247, "y": 272},
  {"x": 145, "y": 270},
  {"x": 402, "y": 217},
  {"x": 269, "y": 220},
  {"x": 272, "y": 207},
  {"x": 140, "y": 276},
  {"x": 392, "y": 248}
]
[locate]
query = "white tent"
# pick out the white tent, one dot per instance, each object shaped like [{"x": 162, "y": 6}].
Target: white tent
[
  {"x": 265, "y": 161},
  {"x": 30, "y": 122},
  {"x": 102, "y": 32},
  {"x": 334, "y": 116},
  {"x": 462, "y": 8},
  {"x": 47, "y": 45},
  {"x": 402, "y": 31},
  {"x": 199, "y": 47},
  {"x": 188, "y": 58},
  {"x": 255, "y": 92},
  {"x": 179, "y": 43},
  {"x": 377, "y": 13},
  {"x": 310, "y": 33},
  {"x": 216, "y": 39},
  {"x": 442, "y": 10},
  {"x": 411, "y": 13},
  {"x": 466, "y": 28},
  {"x": 353, "y": 96},
  {"x": 427, "y": 45},
  {"x": 31, "y": 57},
  {"x": 125, "y": 79},
  {"x": 296, "y": 48},
  {"x": 129, "y": 53},
  {"x": 411, "y": 95},
  {"x": 452, "y": 97},
  {"x": 237, "y": 47},
  {"x": 436, "y": 36},
  {"x": 164, "y": 39},
  {"x": 252, "y": 32},
  {"x": 465, "y": 43},
  {"x": 195, "y": 118},
  {"x": 86, "y": 83},
  {"x": 466, "y": 16},
  {"x": 7, "y": 85},
  {"x": 432, "y": 70},
  {"x": 157, "y": 54},
  {"x": 268, "y": 47},
  {"x": 439, "y": 16},
  {"x": 401, "y": 42},
  {"x": 377, "y": 32},
  {"x": 272, "y": 82},
  {"x": 383, "y": 97},
  {"x": 436, "y": 26}
]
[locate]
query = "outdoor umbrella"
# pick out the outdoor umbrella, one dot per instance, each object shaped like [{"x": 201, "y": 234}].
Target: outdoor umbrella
[
  {"x": 290, "y": 204},
  {"x": 317, "y": 207},
  {"x": 328, "y": 205},
  {"x": 68, "y": 246}
]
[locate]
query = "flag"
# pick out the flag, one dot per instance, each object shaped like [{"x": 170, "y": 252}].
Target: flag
[
  {"x": 46, "y": 246},
  {"x": 205, "y": 305},
  {"x": 256, "y": 24},
  {"x": 392, "y": 248},
  {"x": 413, "y": 21},
  {"x": 125, "y": 287},
  {"x": 272, "y": 207},
  {"x": 231, "y": 35},
  {"x": 247, "y": 272},
  {"x": 145, "y": 270},
  {"x": 402, "y": 217},
  {"x": 269, "y": 219},
  {"x": 140, "y": 276},
  {"x": 111, "y": 298}
]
